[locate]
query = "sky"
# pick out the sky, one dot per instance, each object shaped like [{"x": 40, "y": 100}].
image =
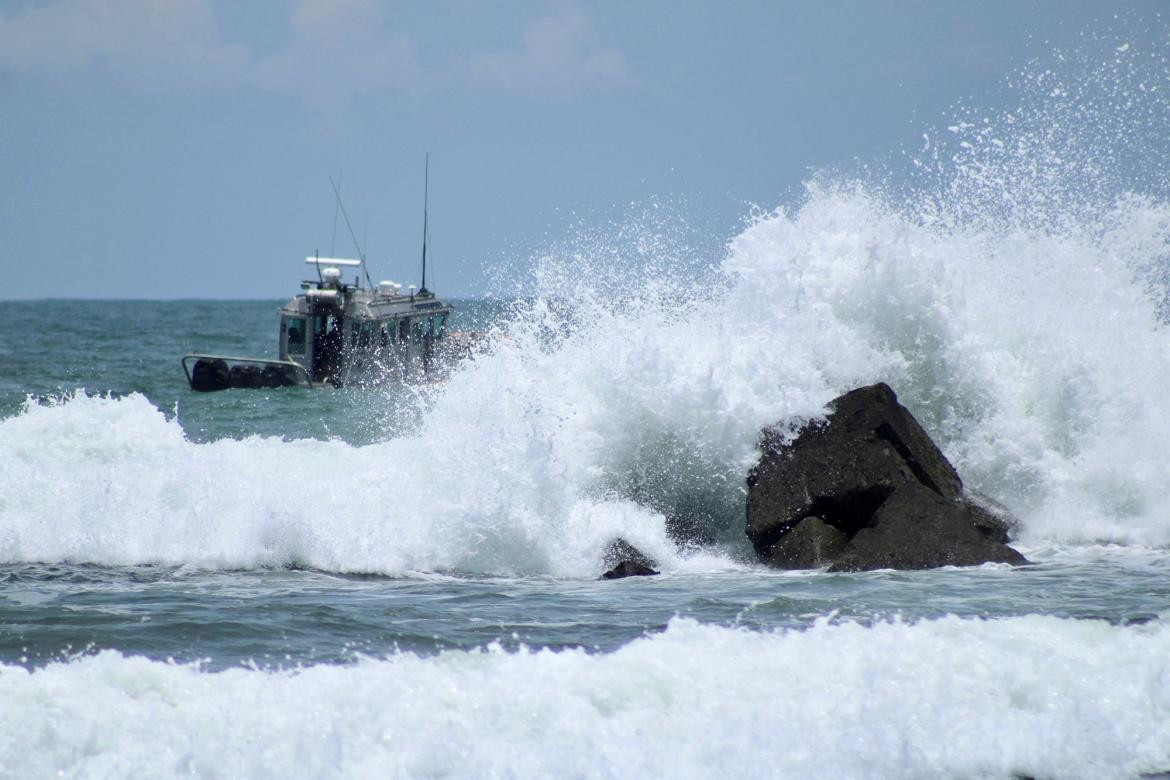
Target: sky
[{"x": 183, "y": 148}]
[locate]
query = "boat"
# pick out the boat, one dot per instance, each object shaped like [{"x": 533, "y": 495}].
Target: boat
[{"x": 338, "y": 334}]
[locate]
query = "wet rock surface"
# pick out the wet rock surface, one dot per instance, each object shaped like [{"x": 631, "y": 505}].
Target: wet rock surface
[
  {"x": 916, "y": 528},
  {"x": 623, "y": 559},
  {"x": 810, "y": 544},
  {"x": 867, "y": 489}
]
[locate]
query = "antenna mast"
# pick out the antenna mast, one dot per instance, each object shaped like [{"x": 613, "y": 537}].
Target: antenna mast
[
  {"x": 426, "y": 185},
  {"x": 336, "y": 209},
  {"x": 361, "y": 254}
]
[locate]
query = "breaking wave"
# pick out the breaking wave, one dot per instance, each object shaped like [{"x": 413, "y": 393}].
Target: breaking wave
[{"x": 1013, "y": 294}]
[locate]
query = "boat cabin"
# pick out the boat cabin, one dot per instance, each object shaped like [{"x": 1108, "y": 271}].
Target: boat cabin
[{"x": 346, "y": 334}]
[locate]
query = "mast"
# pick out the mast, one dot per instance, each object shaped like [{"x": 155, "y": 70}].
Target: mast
[
  {"x": 422, "y": 290},
  {"x": 361, "y": 254}
]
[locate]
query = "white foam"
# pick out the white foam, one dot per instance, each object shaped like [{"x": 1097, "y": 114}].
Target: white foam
[
  {"x": 1037, "y": 361},
  {"x": 1034, "y": 696},
  {"x": 113, "y": 481}
]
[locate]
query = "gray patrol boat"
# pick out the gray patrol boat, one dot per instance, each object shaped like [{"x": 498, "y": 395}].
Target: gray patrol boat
[{"x": 337, "y": 334}]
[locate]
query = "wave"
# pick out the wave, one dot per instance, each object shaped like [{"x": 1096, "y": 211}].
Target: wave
[
  {"x": 1013, "y": 294},
  {"x": 1030, "y": 696}
]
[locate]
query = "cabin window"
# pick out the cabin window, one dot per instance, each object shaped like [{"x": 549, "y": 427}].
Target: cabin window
[
  {"x": 364, "y": 333},
  {"x": 295, "y": 330},
  {"x": 403, "y": 329},
  {"x": 416, "y": 330},
  {"x": 440, "y": 326}
]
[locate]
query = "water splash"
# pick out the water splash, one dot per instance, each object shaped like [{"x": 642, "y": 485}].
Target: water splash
[{"x": 1011, "y": 288}]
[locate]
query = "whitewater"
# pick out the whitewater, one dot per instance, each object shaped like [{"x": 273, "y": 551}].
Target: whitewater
[{"x": 402, "y": 582}]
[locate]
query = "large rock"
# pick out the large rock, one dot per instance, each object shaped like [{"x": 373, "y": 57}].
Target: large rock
[
  {"x": 811, "y": 544},
  {"x": 865, "y": 473},
  {"x": 916, "y": 528},
  {"x": 843, "y": 469}
]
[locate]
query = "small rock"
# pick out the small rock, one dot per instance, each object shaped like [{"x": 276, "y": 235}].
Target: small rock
[
  {"x": 628, "y": 569},
  {"x": 626, "y": 560}
]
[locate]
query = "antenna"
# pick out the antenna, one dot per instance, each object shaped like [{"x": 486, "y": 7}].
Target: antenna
[
  {"x": 336, "y": 208},
  {"x": 426, "y": 185},
  {"x": 361, "y": 254}
]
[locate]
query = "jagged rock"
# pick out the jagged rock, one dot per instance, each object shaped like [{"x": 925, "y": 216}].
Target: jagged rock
[
  {"x": 846, "y": 472},
  {"x": 917, "y": 528},
  {"x": 626, "y": 560},
  {"x": 810, "y": 544},
  {"x": 843, "y": 469},
  {"x": 991, "y": 518}
]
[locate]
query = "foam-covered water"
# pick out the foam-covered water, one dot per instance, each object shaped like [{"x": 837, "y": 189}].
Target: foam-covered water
[
  {"x": 401, "y": 581},
  {"x": 1035, "y": 696}
]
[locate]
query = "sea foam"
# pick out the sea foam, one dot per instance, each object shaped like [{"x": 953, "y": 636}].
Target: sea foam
[{"x": 1029, "y": 696}]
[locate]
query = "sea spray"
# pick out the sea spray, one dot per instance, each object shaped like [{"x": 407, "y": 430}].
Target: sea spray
[
  {"x": 1011, "y": 289},
  {"x": 1036, "y": 360}
]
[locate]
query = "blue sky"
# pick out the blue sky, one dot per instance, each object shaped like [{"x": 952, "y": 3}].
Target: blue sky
[{"x": 182, "y": 148}]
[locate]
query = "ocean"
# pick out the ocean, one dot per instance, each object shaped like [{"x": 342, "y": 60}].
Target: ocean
[{"x": 402, "y": 581}]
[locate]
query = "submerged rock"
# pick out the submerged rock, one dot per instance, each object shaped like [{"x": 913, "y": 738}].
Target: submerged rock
[
  {"x": 867, "y": 489},
  {"x": 625, "y": 560}
]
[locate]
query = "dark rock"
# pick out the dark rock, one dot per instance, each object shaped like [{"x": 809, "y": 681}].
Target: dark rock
[
  {"x": 626, "y": 560},
  {"x": 843, "y": 469},
  {"x": 991, "y": 518},
  {"x": 810, "y": 544},
  {"x": 917, "y": 528},
  {"x": 845, "y": 472},
  {"x": 628, "y": 569}
]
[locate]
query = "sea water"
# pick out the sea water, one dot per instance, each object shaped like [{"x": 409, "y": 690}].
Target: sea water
[{"x": 402, "y": 581}]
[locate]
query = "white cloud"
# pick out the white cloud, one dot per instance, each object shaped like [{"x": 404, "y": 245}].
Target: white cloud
[
  {"x": 145, "y": 40},
  {"x": 339, "y": 48},
  {"x": 334, "y": 52},
  {"x": 336, "y": 48},
  {"x": 557, "y": 59}
]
